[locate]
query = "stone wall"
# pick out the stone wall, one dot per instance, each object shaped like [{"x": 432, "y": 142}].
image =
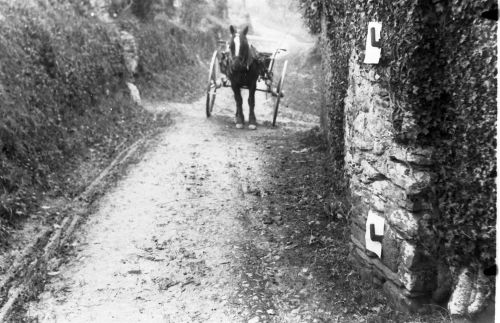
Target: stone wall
[
  {"x": 430, "y": 104},
  {"x": 392, "y": 181}
]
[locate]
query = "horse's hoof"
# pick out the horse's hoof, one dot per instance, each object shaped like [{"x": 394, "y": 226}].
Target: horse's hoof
[
  {"x": 239, "y": 126},
  {"x": 252, "y": 127}
]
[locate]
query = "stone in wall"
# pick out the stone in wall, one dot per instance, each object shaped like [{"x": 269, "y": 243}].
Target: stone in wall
[
  {"x": 405, "y": 222},
  {"x": 415, "y": 156},
  {"x": 387, "y": 190},
  {"x": 378, "y": 203},
  {"x": 379, "y": 147},
  {"x": 391, "y": 249},
  {"x": 421, "y": 281},
  {"x": 414, "y": 258},
  {"x": 392, "y": 180},
  {"x": 412, "y": 181}
]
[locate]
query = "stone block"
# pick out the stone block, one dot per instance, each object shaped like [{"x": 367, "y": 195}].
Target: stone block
[
  {"x": 378, "y": 203},
  {"x": 379, "y": 187},
  {"x": 422, "y": 281},
  {"x": 399, "y": 300},
  {"x": 379, "y": 268},
  {"x": 379, "y": 147},
  {"x": 406, "y": 223},
  {"x": 391, "y": 245},
  {"x": 386, "y": 190},
  {"x": 370, "y": 173},
  {"x": 417, "y": 156},
  {"x": 414, "y": 258},
  {"x": 362, "y": 142},
  {"x": 357, "y": 157},
  {"x": 368, "y": 169},
  {"x": 409, "y": 255},
  {"x": 378, "y": 125},
  {"x": 361, "y": 103},
  {"x": 404, "y": 176},
  {"x": 359, "y": 124},
  {"x": 419, "y": 182}
]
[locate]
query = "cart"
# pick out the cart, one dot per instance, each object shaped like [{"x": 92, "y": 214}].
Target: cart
[{"x": 265, "y": 83}]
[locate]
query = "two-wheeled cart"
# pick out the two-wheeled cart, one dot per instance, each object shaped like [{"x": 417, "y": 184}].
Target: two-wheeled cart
[{"x": 217, "y": 79}]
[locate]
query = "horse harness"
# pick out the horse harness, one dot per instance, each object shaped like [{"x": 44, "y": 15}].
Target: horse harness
[{"x": 226, "y": 61}]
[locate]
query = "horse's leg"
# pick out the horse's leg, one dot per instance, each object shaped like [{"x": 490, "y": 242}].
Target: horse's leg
[
  {"x": 240, "y": 118},
  {"x": 251, "y": 104}
]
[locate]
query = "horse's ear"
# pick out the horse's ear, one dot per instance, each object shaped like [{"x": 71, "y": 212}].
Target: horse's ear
[
  {"x": 245, "y": 30},
  {"x": 232, "y": 30}
]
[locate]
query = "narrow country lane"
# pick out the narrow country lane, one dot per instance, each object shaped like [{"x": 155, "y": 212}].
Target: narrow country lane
[{"x": 167, "y": 244}]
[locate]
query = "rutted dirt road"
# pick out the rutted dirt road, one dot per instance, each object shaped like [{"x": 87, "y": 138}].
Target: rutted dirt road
[{"x": 168, "y": 242}]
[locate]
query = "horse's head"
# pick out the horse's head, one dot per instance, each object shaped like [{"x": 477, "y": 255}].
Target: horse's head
[{"x": 241, "y": 58}]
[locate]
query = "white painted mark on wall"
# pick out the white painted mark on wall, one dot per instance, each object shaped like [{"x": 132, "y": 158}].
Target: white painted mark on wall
[
  {"x": 373, "y": 50},
  {"x": 374, "y": 233}
]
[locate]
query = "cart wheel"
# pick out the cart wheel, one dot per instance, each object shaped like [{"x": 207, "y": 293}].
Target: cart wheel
[
  {"x": 279, "y": 92},
  {"x": 212, "y": 84}
]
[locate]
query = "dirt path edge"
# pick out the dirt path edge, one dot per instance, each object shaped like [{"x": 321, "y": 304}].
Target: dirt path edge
[{"x": 27, "y": 273}]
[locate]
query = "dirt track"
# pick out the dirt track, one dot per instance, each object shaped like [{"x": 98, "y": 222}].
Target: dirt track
[{"x": 165, "y": 245}]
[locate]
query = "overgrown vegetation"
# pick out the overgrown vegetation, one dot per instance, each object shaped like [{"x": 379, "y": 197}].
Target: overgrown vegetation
[
  {"x": 174, "y": 69},
  {"x": 63, "y": 97},
  {"x": 52, "y": 90},
  {"x": 439, "y": 60},
  {"x": 184, "y": 38}
]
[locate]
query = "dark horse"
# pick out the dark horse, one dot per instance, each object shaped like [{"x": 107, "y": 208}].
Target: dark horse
[{"x": 244, "y": 69}]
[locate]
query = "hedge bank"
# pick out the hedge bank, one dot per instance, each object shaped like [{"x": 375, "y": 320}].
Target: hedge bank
[{"x": 64, "y": 100}]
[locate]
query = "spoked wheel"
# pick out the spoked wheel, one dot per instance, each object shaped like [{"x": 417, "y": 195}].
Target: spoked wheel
[
  {"x": 212, "y": 84},
  {"x": 279, "y": 93}
]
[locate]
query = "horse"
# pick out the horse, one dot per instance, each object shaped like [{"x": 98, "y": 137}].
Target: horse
[{"x": 244, "y": 69}]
